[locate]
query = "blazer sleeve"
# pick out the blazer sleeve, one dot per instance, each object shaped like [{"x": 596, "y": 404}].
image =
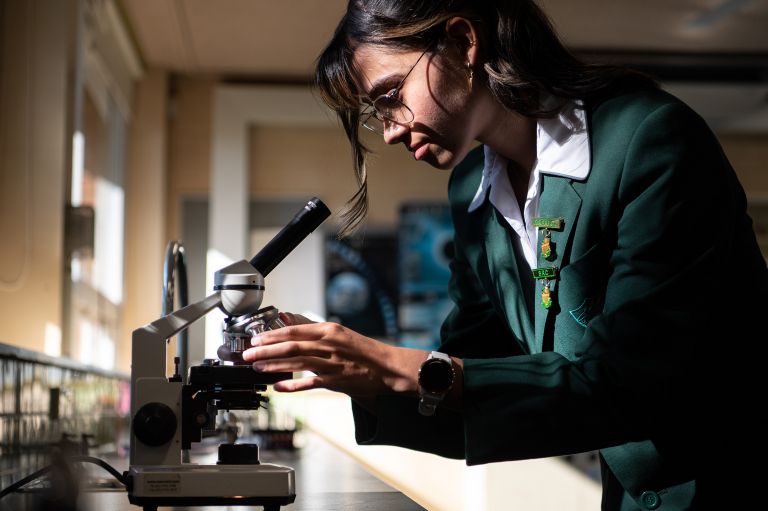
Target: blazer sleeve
[{"x": 657, "y": 363}]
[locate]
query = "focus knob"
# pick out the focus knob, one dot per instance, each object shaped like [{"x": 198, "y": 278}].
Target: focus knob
[{"x": 154, "y": 424}]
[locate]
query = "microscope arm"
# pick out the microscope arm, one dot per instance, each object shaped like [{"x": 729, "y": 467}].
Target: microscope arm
[
  {"x": 242, "y": 285},
  {"x": 148, "y": 350}
]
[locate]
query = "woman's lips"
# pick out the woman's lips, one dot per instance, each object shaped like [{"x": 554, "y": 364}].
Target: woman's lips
[{"x": 420, "y": 151}]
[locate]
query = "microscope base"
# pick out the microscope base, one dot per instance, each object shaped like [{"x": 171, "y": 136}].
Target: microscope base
[{"x": 265, "y": 485}]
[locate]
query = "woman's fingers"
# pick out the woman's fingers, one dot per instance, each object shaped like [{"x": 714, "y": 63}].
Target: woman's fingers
[
  {"x": 305, "y": 332},
  {"x": 341, "y": 359},
  {"x": 286, "y": 349},
  {"x": 292, "y": 365},
  {"x": 304, "y": 383}
]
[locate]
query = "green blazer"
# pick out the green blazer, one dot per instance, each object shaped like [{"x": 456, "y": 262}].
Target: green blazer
[{"x": 642, "y": 355}]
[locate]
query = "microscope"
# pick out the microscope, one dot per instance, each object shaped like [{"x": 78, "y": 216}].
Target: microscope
[{"x": 168, "y": 414}]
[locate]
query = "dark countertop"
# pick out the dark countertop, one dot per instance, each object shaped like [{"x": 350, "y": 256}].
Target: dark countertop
[{"x": 327, "y": 479}]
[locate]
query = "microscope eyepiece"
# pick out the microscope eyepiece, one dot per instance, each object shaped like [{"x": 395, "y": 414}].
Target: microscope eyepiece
[{"x": 306, "y": 220}]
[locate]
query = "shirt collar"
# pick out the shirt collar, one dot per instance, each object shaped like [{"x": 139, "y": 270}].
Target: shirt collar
[{"x": 562, "y": 149}]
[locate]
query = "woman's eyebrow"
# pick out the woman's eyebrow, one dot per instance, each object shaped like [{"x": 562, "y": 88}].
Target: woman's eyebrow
[{"x": 382, "y": 85}]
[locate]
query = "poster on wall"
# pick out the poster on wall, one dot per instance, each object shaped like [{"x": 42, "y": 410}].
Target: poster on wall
[
  {"x": 361, "y": 283},
  {"x": 425, "y": 248}
]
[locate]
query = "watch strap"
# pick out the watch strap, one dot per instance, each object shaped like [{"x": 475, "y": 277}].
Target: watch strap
[{"x": 428, "y": 401}]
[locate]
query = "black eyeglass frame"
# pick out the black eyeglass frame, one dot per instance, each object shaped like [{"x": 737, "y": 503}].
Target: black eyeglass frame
[{"x": 371, "y": 111}]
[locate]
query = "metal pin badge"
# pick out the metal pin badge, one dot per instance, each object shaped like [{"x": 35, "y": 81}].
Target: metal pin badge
[
  {"x": 548, "y": 224},
  {"x": 546, "y": 245},
  {"x": 546, "y": 296},
  {"x": 554, "y": 224},
  {"x": 545, "y": 274}
]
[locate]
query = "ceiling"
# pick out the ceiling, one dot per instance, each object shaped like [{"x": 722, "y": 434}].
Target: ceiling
[
  {"x": 281, "y": 39},
  {"x": 712, "y": 53}
]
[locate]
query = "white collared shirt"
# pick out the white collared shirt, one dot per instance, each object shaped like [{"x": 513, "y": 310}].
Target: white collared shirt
[{"x": 562, "y": 149}]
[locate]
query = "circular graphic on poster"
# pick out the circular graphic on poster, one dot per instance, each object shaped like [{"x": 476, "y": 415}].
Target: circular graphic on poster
[{"x": 347, "y": 293}]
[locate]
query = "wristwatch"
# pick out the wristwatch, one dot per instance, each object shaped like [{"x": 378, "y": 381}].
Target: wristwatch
[{"x": 435, "y": 380}]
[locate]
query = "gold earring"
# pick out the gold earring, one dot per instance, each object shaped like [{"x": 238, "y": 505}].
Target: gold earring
[{"x": 471, "y": 73}]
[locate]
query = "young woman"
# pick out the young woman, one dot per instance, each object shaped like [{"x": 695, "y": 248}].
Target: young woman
[{"x": 607, "y": 282}]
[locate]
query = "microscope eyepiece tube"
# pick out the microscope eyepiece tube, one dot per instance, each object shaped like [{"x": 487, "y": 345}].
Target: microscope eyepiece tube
[{"x": 306, "y": 220}]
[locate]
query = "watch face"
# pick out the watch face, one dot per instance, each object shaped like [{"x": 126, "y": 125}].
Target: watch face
[{"x": 436, "y": 376}]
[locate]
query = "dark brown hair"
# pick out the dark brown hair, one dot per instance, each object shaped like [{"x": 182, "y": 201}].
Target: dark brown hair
[{"x": 523, "y": 61}]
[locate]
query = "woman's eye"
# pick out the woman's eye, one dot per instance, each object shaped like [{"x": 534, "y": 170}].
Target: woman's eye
[{"x": 388, "y": 100}]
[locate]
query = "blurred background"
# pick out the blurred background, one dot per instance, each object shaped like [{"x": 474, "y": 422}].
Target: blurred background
[{"x": 125, "y": 124}]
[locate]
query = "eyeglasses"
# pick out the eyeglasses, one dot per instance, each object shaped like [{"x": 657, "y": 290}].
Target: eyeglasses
[{"x": 388, "y": 108}]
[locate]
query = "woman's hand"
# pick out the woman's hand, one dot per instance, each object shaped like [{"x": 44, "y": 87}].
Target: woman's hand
[{"x": 342, "y": 359}]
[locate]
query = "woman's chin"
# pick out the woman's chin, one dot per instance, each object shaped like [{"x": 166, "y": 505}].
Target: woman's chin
[{"x": 441, "y": 159}]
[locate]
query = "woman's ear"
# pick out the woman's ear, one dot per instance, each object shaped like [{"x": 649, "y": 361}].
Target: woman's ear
[{"x": 462, "y": 32}]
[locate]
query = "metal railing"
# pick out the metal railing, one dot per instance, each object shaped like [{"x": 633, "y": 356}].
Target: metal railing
[{"x": 48, "y": 402}]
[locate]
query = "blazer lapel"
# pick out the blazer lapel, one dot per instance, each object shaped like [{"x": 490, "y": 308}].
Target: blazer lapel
[
  {"x": 503, "y": 262},
  {"x": 558, "y": 200}
]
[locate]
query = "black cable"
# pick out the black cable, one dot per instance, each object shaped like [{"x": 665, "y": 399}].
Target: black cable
[
  {"x": 86, "y": 459},
  {"x": 22, "y": 482},
  {"x": 103, "y": 464}
]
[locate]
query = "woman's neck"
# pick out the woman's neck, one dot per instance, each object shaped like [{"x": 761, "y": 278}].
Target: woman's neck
[{"x": 511, "y": 135}]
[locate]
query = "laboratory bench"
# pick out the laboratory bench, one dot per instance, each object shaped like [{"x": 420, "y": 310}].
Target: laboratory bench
[
  {"x": 49, "y": 401},
  {"x": 327, "y": 479}
]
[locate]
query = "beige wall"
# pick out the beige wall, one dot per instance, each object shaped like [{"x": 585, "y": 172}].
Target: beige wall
[
  {"x": 289, "y": 162},
  {"x": 301, "y": 162},
  {"x": 189, "y": 145},
  {"x": 35, "y": 43},
  {"x": 145, "y": 206},
  {"x": 748, "y": 154}
]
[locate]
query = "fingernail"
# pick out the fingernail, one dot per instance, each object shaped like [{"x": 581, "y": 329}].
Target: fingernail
[
  {"x": 256, "y": 340},
  {"x": 259, "y": 365}
]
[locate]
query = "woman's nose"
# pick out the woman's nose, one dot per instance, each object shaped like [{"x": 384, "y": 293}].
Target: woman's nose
[{"x": 394, "y": 131}]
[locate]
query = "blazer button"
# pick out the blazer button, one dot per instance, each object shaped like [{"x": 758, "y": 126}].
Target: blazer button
[{"x": 650, "y": 500}]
